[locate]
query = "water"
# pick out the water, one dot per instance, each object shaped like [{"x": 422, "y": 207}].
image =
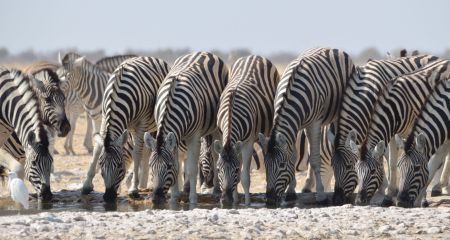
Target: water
[{"x": 74, "y": 201}]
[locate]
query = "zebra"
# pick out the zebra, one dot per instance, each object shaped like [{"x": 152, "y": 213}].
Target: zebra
[
  {"x": 109, "y": 64},
  {"x": 128, "y": 105},
  {"x": 429, "y": 136},
  {"x": 74, "y": 106},
  {"x": 394, "y": 113},
  {"x": 46, "y": 86},
  {"x": 186, "y": 110},
  {"x": 246, "y": 109},
  {"x": 20, "y": 112},
  {"x": 360, "y": 95},
  {"x": 307, "y": 97},
  {"x": 89, "y": 83}
]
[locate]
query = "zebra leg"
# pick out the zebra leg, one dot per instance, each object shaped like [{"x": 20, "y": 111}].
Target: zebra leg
[
  {"x": 327, "y": 175},
  {"x": 314, "y": 135},
  {"x": 247, "y": 152},
  {"x": 145, "y": 167},
  {"x": 87, "y": 143},
  {"x": 175, "y": 189},
  {"x": 193, "y": 153},
  {"x": 436, "y": 190},
  {"x": 309, "y": 181},
  {"x": 68, "y": 144},
  {"x": 137, "y": 155},
  {"x": 87, "y": 185},
  {"x": 445, "y": 172},
  {"x": 392, "y": 186}
]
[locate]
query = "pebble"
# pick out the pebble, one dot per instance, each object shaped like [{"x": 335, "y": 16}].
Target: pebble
[
  {"x": 79, "y": 218},
  {"x": 385, "y": 228},
  {"x": 433, "y": 230}
]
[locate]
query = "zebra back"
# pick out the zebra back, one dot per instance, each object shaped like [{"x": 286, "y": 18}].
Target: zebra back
[
  {"x": 246, "y": 104},
  {"x": 188, "y": 98},
  {"x": 109, "y": 64},
  {"x": 313, "y": 85},
  {"x": 396, "y": 109}
]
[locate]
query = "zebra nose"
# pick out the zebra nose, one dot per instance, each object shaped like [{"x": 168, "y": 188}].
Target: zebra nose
[
  {"x": 64, "y": 127},
  {"x": 361, "y": 198},
  {"x": 110, "y": 195},
  {"x": 338, "y": 197},
  {"x": 227, "y": 197},
  {"x": 403, "y": 200},
  {"x": 158, "y": 196},
  {"x": 271, "y": 197},
  {"x": 46, "y": 193}
]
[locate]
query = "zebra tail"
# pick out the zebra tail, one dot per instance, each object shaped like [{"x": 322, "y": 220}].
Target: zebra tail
[{"x": 302, "y": 147}]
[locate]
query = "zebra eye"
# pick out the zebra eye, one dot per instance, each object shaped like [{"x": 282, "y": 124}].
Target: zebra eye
[
  {"x": 169, "y": 166},
  {"x": 282, "y": 164},
  {"x": 416, "y": 168}
]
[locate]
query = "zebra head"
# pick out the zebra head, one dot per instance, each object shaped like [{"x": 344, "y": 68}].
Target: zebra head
[
  {"x": 228, "y": 168},
  {"x": 72, "y": 64},
  {"x": 163, "y": 163},
  {"x": 343, "y": 163},
  {"x": 413, "y": 171},
  {"x": 47, "y": 87},
  {"x": 38, "y": 164},
  {"x": 112, "y": 163},
  {"x": 370, "y": 172},
  {"x": 279, "y": 159}
]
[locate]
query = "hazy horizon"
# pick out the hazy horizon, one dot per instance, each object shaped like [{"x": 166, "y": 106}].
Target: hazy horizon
[{"x": 261, "y": 26}]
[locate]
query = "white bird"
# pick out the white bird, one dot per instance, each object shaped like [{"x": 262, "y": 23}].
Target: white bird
[{"x": 18, "y": 190}]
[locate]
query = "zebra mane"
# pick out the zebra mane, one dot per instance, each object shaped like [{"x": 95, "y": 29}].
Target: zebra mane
[
  {"x": 39, "y": 125},
  {"x": 162, "y": 128},
  {"x": 227, "y": 143}
]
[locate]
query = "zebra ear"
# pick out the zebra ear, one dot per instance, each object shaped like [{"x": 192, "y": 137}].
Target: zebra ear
[
  {"x": 38, "y": 83},
  {"x": 59, "y": 58},
  {"x": 122, "y": 139},
  {"x": 389, "y": 55},
  {"x": 149, "y": 141},
  {"x": 238, "y": 147},
  {"x": 218, "y": 147},
  {"x": 280, "y": 139},
  {"x": 79, "y": 61},
  {"x": 170, "y": 141},
  {"x": 420, "y": 142},
  {"x": 378, "y": 151},
  {"x": 351, "y": 142},
  {"x": 399, "y": 141},
  {"x": 331, "y": 136}
]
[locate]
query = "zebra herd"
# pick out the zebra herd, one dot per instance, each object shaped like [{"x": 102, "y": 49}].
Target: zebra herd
[{"x": 143, "y": 113}]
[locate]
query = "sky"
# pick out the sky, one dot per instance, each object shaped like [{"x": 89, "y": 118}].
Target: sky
[{"x": 262, "y": 26}]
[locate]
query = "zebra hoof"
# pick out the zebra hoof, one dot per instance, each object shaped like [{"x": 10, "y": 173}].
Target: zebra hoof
[
  {"x": 436, "y": 193},
  {"x": 55, "y": 152},
  {"x": 323, "y": 202},
  {"x": 87, "y": 190},
  {"x": 306, "y": 190},
  {"x": 425, "y": 204},
  {"x": 290, "y": 197},
  {"x": 387, "y": 202},
  {"x": 134, "y": 194}
]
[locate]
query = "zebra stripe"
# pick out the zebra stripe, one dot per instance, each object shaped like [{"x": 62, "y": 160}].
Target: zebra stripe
[
  {"x": 360, "y": 96},
  {"x": 46, "y": 86},
  {"x": 128, "y": 105},
  {"x": 308, "y": 96},
  {"x": 246, "y": 109},
  {"x": 394, "y": 113},
  {"x": 20, "y": 113},
  {"x": 186, "y": 110},
  {"x": 109, "y": 64},
  {"x": 431, "y": 130}
]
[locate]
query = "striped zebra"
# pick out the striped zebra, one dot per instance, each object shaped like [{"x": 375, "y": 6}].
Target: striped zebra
[
  {"x": 394, "y": 113},
  {"x": 46, "y": 86},
  {"x": 307, "y": 97},
  {"x": 20, "y": 112},
  {"x": 360, "y": 96},
  {"x": 246, "y": 109},
  {"x": 109, "y": 64},
  {"x": 186, "y": 110},
  {"x": 429, "y": 136},
  {"x": 89, "y": 83},
  {"x": 128, "y": 105},
  {"x": 74, "y": 106}
]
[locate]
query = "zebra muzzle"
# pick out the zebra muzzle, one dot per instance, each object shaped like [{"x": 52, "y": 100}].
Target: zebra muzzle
[
  {"x": 64, "y": 127},
  {"x": 404, "y": 200},
  {"x": 110, "y": 195},
  {"x": 45, "y": 193}
]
